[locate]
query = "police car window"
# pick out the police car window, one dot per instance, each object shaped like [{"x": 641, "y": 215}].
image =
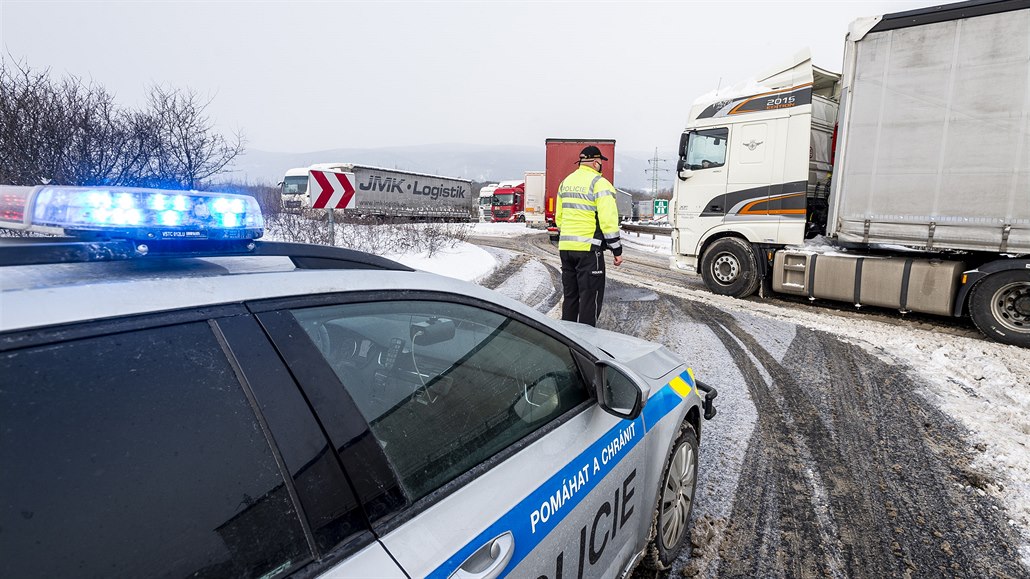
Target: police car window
[
  {"x": 137, "y": 454},
  {"x": 444, "y": 386}
]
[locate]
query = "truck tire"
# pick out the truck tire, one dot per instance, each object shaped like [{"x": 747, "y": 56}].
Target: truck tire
[
  {"x": 1000, "y": 307},
  {"x": 671, "y": 522},
  {"x": 729, "y": 268}
]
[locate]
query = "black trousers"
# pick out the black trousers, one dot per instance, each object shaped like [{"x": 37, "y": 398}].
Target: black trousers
[{"x": 582, "y": 279}]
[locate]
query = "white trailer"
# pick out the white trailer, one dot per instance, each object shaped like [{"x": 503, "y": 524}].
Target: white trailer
[
  {"x": 535, "y": 187},
  {"x": 930, "y": 189}
]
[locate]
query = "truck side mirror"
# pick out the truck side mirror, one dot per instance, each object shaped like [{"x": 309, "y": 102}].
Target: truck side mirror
[
  {"x": 683, "y": 170},
  {"x": 683, "y": 144}
]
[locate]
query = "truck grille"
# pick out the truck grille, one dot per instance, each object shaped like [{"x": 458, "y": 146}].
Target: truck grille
[{"x": 502, "y": 214}]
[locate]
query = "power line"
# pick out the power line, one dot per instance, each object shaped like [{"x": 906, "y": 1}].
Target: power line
[{"x": 654, "y": 170}]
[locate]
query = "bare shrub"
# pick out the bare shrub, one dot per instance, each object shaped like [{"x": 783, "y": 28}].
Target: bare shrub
[
  {"x": 70, "y": 132},
  {"x": 371, "y": 235}
]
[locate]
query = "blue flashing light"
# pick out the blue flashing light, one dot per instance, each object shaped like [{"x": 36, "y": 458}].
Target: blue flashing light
[
  {"x": 171, "y": 218},
  {"x": 158, "y": 202},
  {"x": 147, "y": 214}
]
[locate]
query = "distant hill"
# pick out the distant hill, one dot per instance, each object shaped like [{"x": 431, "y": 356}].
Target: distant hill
[{"x": 477, "y": 163}]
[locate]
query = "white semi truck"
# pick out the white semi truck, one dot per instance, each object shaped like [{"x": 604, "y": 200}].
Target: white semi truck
[
  {"x": 486, "y": 202},
  {"x": 914, "y": 165},
  {"x": 381, "y": 192}
]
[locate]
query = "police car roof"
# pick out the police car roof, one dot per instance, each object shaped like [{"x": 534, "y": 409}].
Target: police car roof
[
  {"x": 129, "y": 251},
  {"x": 42, "y": 295}
]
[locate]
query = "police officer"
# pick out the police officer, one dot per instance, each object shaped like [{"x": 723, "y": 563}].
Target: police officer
[{"x": 589, "y": 222}]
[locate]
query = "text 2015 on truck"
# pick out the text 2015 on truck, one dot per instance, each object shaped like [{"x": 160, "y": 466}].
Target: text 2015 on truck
[{"x": 930, "y": 188}]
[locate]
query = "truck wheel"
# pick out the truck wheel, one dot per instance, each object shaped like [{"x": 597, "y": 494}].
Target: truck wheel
[
  {"x": 671, "y": 525},
  {"x": 1000, "y": 307},
  {"x": 729, "y": 268}
]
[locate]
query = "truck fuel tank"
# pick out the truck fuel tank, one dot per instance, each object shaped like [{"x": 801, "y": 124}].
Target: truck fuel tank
[{"x": 907, "y": 284}]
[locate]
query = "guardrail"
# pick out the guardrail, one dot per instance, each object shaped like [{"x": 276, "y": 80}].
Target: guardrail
[{"x": 652, "y": 229}]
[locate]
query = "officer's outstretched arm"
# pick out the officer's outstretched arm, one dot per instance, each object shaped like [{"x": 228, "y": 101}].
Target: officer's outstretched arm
[{"x": 608, "y": 219}]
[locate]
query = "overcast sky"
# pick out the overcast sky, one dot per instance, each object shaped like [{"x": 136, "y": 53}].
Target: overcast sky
[{"x": 309, "y": 76}]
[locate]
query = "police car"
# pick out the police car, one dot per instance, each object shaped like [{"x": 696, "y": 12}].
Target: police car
[{"x": 178, "y": 398}]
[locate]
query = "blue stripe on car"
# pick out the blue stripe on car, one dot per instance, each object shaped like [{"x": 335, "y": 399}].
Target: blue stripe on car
[{"x": 517, "y": 520}]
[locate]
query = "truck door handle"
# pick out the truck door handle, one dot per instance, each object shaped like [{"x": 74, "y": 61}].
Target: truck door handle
[{"x": 489, "y": 561}]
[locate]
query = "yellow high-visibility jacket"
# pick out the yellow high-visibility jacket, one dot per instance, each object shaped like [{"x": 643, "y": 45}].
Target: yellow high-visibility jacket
[{"x": 586, "y": 213}]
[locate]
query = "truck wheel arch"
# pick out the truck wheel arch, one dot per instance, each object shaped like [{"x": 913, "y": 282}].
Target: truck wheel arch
[
  {"x": 999, "y": 303},
  {"x": 729, "y": 265},
  {"x": 975, "y": 276}
]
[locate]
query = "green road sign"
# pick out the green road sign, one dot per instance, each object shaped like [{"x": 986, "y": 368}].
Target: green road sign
[{"x": 661, "y": 207}]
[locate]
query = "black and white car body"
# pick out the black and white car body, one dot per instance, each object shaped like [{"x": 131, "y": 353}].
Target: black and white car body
[{"x": 178, "y": 399}]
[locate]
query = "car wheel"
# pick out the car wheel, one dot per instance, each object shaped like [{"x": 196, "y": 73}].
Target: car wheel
[
  {"x": 1000, "y": 307},
  {"x": 671, "y": 525},
  {"x": 729, "y": 268}
]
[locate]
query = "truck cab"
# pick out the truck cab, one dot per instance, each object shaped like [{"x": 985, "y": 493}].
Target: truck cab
[
  {"x": 486, "y": 202},
  {"x": 509, "y": 202},
  {"x": 752, "y": 157},
  {"x": 294, "y": 188}
]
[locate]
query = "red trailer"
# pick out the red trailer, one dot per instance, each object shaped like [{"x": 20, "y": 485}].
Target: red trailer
[{"x": 562, "y": 156}]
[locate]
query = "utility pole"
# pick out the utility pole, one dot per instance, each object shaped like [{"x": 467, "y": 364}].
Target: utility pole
[{"x": 654, "y": 169}]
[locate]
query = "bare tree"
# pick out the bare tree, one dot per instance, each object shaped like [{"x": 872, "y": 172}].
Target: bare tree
[
  {"x": 73, "y": 133},
  {"x": 188, "y": 150},
  {"x": 29, "y": 119}
]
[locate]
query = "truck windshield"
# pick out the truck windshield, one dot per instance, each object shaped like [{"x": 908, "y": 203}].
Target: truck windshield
[
  {"x": 295, "y": 185},
  {"x": 707, "y": 148},
  {"x": 487, "y": 201},
  {"x": 506, "y": 199}
]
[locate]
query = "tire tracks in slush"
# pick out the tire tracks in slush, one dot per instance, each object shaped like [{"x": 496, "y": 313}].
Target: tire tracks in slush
[
  {"x": 542, "y": 298},
  {"x": 850, "y": 473}
]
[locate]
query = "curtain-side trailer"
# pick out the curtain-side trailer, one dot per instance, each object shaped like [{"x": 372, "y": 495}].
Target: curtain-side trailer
[
  {"x": 914, "y": 163},
  {"x": 381, "y": 192}
]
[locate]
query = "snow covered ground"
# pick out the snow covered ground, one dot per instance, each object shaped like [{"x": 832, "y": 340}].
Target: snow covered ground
[
  {"x": 650, "y": 242},
  {"x": 463, "y": 261},
  {"x": 983, "y": 385}
]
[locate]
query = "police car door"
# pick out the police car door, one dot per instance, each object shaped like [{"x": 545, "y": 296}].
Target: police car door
[{"x": 505, "y": 463}]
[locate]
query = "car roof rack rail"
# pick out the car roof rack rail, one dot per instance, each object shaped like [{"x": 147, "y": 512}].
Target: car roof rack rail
[{"x": 54, "y": 250}]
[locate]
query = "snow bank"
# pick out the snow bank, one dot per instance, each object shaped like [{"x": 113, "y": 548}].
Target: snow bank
[
  {"x": 503, "y": 229},
  {"x": 464, "y": 261}
]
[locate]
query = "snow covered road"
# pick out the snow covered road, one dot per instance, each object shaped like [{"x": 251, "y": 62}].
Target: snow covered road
[{"x": 846, "y": 445}]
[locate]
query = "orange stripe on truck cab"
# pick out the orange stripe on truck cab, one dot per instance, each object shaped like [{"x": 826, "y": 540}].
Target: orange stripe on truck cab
[{"x": 750, "y": 208}]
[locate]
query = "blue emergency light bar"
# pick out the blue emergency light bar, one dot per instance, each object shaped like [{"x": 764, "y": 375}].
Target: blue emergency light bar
[{"x": 130, "y": 213}]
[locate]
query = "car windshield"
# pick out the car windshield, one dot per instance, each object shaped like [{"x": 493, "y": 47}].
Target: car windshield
[
  {"x": 295, "y": 185},
  {"x": 504, "y": 199}
]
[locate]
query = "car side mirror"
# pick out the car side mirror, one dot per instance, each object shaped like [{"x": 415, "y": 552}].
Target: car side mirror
[{"x": 617, "y": 394}]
